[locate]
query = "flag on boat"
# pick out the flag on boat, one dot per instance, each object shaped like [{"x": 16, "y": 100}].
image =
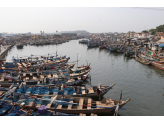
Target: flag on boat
[
  {"x": 151, "y": 53},
  {"x": 79, "y": 56}
]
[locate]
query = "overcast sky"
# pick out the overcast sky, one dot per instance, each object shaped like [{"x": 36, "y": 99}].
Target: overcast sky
[{"x": 91, "y": 19}]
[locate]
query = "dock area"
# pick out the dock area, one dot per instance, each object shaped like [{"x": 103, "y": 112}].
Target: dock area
[{"x": 4, "y": 49}]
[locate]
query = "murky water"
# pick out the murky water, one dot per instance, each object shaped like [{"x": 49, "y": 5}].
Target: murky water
[{"x": 143, "y": 84}]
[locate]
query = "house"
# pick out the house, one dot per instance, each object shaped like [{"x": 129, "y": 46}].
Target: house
[
  {"x": 138, "y": 34},
  {"x": 158, "y": 35},
  {"x": 141, "y": 34},
  {"x": 162, "y": 37},
  {"x": 145, "y": 34}
]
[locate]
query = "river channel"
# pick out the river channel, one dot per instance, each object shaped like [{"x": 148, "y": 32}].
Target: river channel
[{"x": 143, "y": 84}]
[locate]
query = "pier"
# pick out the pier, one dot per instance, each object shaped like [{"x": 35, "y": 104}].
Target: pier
[{"x": 4, "y": 50}]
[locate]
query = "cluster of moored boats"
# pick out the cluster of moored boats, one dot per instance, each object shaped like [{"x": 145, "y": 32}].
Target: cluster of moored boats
[
  {"x": 139, "y": 52},
  {"x": 20, "y": 44},
  {"x": 37, "y": 86},
  {"x": 149, "y": 57},
  {"x": 128, "y": 50}
]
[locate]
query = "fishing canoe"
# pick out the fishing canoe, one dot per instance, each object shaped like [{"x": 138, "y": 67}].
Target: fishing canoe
[
  {"x": 76, "y": 91},
  {"x": 142, "y": 60},
  {"x": 68, "y": 104},
  {"x": 160, "y": 66}
]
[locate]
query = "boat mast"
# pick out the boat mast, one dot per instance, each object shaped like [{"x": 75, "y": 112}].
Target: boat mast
[
  {"x": 56, "y": 51},
  {"x": 77, "y": 60}
]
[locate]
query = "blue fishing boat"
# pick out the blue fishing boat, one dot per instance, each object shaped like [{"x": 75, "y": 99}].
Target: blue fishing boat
[
  {"x": 7, "y": 109},
  {"x": 78, "y": 91},
  {"x": 9, "y": 64},
  {"x": 92, "y": 44},
  {"x": 68, "y": 104}
]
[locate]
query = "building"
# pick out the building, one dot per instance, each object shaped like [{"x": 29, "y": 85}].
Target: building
[
  {"x": 158, "y": 35},
  {"x": 162, "y": 37},
  {"x": 145, "y": 34},
  {"x": 131, "y": 34},
  {"x": 141, "y": 34}
]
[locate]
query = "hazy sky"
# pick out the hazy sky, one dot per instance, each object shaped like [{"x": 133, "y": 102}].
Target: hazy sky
[{"x": 92, "y": 19}]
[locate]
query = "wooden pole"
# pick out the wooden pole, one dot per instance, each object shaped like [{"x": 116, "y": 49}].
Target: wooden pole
[
  {"x": 99, "y": 97},
  {"x": 77, "y": 60}
]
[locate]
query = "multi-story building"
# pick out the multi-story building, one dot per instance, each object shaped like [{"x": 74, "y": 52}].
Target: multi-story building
[
  {"x": 158, "y": 35},
  {"x": 141, "y": 34},
  {"x": 131, "y": 34}
]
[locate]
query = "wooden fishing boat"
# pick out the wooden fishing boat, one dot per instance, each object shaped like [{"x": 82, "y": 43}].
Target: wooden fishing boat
[
  {"x": 142, "y": 60},
  {"x": 49, "y": 90},
  {"x": 78, "y": 72},
  {"x": 82, "y": 68},
  {"x": 160, "y": 66},
  {"x": 5, "y": 87},
  {"x": 113, "y": 49},
  {"x": 120, "y": 51},
  {"x": 102, "y": 46},
  {"x": 129, "y": 53},
  {"x": 11, "y": 76},
  {"x": 159, "y": 62},
  {"x": 33, "y": 78},
  {"x": 8, "y": 64},
  {"x": 92, "y": 44},
  {"x": 19, "y": 45},
  {"x": 84, "y": 41},
  {"x": 37, "y": 67},
  {"x": 8, "y": 109},
  {"x": 75, "y": 74},
  {"x": 68, "y": 104}
]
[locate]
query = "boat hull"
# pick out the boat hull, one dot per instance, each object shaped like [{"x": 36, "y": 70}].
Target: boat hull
[
  {"x": 142, "y": 61},
  {"x": 157, "y": 65}
]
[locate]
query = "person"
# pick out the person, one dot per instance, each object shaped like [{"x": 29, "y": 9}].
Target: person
[
  {"x": 87, "y": 91},
  {"x": 98, "y": 91}
]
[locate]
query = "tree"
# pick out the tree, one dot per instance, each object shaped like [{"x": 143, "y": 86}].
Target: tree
[
  {"x": 145, "y": 31},
  {"x": 152, "y": 31},
  {"x": 160, "y": 28}
]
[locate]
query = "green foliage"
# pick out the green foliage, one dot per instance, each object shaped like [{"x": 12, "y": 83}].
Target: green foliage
[
  {"x": 152, "y": 31},
  {"x": 158, "y": 29},
  {"x": 145, "y": 31}
]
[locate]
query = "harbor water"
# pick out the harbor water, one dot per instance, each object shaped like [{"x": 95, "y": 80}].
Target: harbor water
[{"x": 143, "y": 84}]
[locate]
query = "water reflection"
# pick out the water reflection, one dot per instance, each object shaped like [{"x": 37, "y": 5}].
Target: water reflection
[
  {"x": 127, "y": 59},
  {"x": 92, "y": 48},
  {"x": 19, "y": 48},
  {"x": 156, "y": 70}
]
